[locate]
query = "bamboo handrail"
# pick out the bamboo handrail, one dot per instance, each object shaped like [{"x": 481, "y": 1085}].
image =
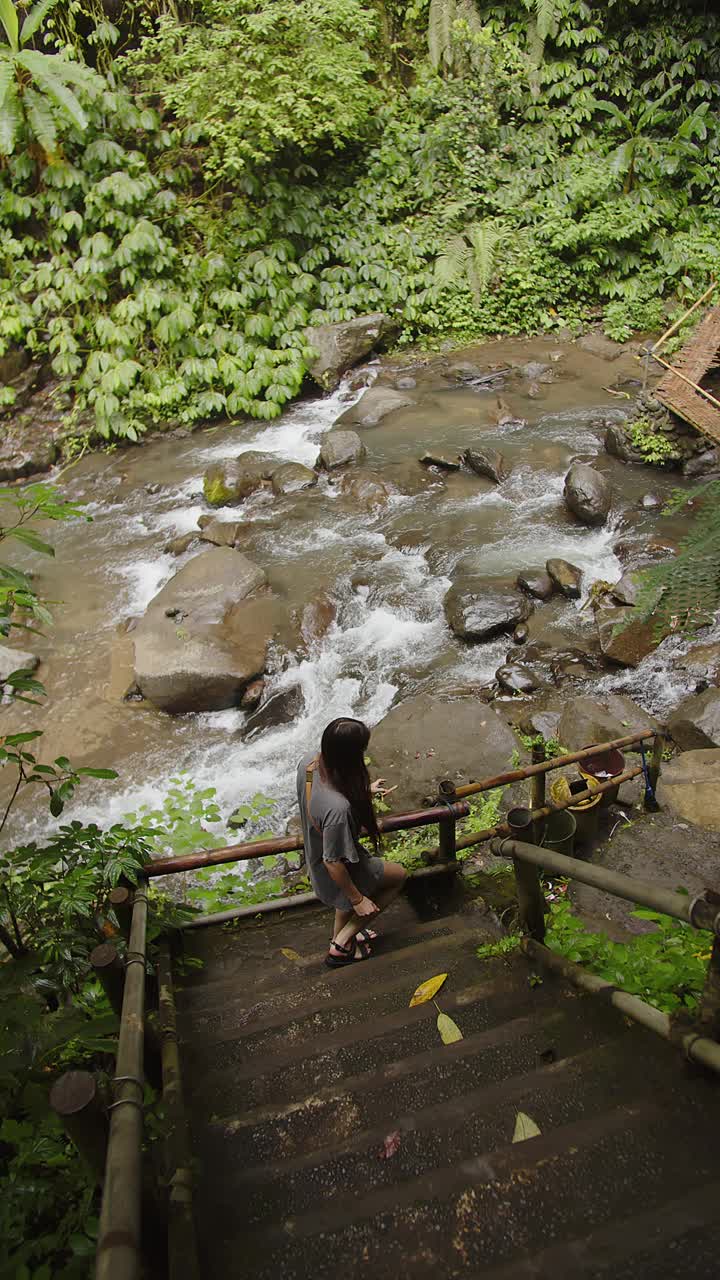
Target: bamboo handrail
[
  {"x": 556, "y": 762},
  {"x": 683, "y": 378},
  {"x": 678, "y": 323},
  {"x": 697, "y": 912},
  {"x": 289, "y": 844},
  {"x": 118, "y": 1250}
]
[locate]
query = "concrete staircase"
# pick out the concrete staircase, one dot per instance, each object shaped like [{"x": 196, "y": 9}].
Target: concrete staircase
[{"x": 295, "y": 1075}]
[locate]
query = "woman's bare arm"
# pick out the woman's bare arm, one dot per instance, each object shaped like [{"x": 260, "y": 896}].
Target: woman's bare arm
[{"x": 340, "y": 875}]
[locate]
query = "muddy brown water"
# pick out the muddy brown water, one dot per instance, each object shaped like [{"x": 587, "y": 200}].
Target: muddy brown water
[{"x": 388, "y": 570}]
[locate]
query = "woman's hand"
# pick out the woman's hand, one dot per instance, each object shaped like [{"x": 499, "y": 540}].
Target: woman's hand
[
  {"x": 365, "y": 907},
  {"x": 378, "y": 788}
]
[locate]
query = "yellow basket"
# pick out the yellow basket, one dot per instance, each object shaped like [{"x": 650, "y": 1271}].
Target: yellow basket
[{"x": 560, "y": 793}]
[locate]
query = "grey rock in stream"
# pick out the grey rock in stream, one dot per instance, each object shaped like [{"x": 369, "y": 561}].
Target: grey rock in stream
[
  {"x": 205, "y": 636},
  {"x": 487, "y": 462},
  {"x": 625, "y": 644},
  {"x": 317, "y": 618},
  {"x": 567, "y": 577},
  {"x": 626, "y": 590},
  {"x": 28, "y": 446},
  {"x": 515, "y": 677},
  {"x": 374, "y": 405},
  {"x": 587, "y": 494},
  {"x": 596, "y": 344},
  {"x": 340, "y": 449},
  {"x": 365, "y": 489},
  {"x": 617, "y": 442},
  {"x": 280, "y": 708},
  {"x": 689, "y": 789},
  {"x": 695, "y": 724},
  {"x": 477, "y": 609},
  {"x": 703, "y": 464},
  {"x": 292, "y": 477},
  {"x": 226, "y": 483},
  {"x": 441, "y": 461},
  {"x": 702, "y": 661},
  {"x": 586, "y": 720},
  {"x": 539, "y": 585},
  {"x": 426, "y": 739},
  {"x": 223, "y": 533},
  {"x": 178, "y": 546},
  {"x": 340, "y": 346},
  {"x": 16, "y": 660}
]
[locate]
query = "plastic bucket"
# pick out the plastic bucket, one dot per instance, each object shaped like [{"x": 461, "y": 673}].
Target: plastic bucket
[
  {"x": 560, "y": 832},
  {"x": 586, "y": 813},
  {"x": 601, "y": 768},
  {"x": 520, "y": 824}
]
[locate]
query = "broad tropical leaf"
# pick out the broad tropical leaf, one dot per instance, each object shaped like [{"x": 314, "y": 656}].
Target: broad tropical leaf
[
  {"x": 440, "y": 24},
  {"x": 59, "y": 93},
  {"x": 10, "y": 119},
  {"x": 41, "y": 120},
  {"x": 546, "y": 18},
  {"x": 450, "y": 1032},
  {"x": 7, "y": 76},
  {"x": 428, "y": 989},
  {"x": 34, "y": 18},
  {"x": 525, "y": 1127},
  {"x": 9, "y": 19}
]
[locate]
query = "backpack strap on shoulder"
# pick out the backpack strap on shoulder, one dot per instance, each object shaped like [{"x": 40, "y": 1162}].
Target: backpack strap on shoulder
[{"x": 308, "y": 791}]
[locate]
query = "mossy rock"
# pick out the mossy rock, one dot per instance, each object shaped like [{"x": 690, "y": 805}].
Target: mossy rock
[{"x": 215, "y": 489}]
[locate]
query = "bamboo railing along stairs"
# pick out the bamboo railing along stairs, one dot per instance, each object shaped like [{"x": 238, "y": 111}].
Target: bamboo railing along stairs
[{"x": 290, "y": 1245}]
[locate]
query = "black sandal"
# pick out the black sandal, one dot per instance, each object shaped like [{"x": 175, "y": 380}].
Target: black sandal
[{"x": 349, "y": 954}]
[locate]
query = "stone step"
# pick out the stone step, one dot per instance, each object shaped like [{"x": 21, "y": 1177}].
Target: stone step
[
  {"x": 440, "y": 1133},
  {"x": 680, "y": 1238},
  {"x": 479, "y": 1212},
  {"x": 321, "y": 1100},
  {"x": 255, "y": 980}
]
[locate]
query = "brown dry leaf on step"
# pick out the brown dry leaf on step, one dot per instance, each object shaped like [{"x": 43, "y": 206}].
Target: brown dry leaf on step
[{"x": 390, "y": 1146}]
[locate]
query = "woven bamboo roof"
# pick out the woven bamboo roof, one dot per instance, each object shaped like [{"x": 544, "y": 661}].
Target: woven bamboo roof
[{"x": 696, "y": 359}]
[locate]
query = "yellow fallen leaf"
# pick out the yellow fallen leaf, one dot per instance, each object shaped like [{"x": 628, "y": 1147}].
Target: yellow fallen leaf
[
  {"x": 428, "y": 989},
  {"x": 289, "y": 954},
  {"x": 525, "y": 1127},
  {"x": 449, "y": 1030}
]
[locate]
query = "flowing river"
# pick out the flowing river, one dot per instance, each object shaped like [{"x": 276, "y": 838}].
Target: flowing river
[{"x": 387, "y": 570}]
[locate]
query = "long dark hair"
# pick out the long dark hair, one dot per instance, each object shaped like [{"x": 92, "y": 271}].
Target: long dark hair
[{"x": 342, "y": 763}]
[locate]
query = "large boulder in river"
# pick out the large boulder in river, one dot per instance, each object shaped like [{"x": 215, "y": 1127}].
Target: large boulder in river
[
  {"x": 16, "y": 660},
  {"x": 374, "y": 405},
  {"x": 204, "y": 637},
  {"x": 292, "y": 477},
  {"x": 567, "y": 577},
  {"x": 624, "y": 638},
  {"x": 340, "y": 449},
  {"x": 280, "y": 708},
  {"x": 479, "y": 608},
  {"x": 689, "y": 788},
  {"x": 426, "y": 739},
  {"x": 364, "y": 489},
  {"x": 695, "y": 724},
  {"x": 539, "y": 585},
  {"x": 226, "y": 483},
  {"x": 585, "y": 721},
  {"x": 488, "y": 462},
  {"x": 618, "y": 443},
  {"x": 340, "y": 346},
  {"x": 587, "y": 494}
]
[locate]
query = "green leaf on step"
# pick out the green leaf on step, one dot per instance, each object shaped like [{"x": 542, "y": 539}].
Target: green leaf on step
[
  {"x": 525, "y": 1127},
  {"x": 291, "y": 955},
  {"x": 449, "y": 1030}
]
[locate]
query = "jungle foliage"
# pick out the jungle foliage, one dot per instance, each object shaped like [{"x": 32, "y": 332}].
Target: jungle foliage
[{"x": 185, "y": 187}]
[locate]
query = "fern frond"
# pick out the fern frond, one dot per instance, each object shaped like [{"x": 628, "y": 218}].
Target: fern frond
[
  {"x": 546, "y": 18},
  {"x": 41, "y": 120},
  {"x": 484, "y": 240},
  {"x": 683, "y": 594},
  {"x": 10, "y": 118},
  {"x": 452, "y": 263}
]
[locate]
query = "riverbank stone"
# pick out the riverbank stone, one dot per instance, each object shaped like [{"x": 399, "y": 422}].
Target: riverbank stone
[
  {"x": 596, "y": 344},
  {"x": 487, "y": 462},
  {"x": 587, "y": 494},
  {"x": 516, "y": 677},
  {"x": 223, "y": 533},
  {"x": 695, "y": 724},
  {"x": 374, "y": 405},
  {"x": 689, "y": 788},
  {"x": 16, "y": 660},
  {"x": 226, "y": 483},
  {"x": 424, "y": 740},
  {"x": 479, "y": 608},
  {"x": 617, "y": 443},
  {"x": 567, "y": 577},
  {"x": 585, "y": 720},
  {"x": 539, "y": 585},
  {"x": 204, "y": 637},
  {"x": 625, "y": 644},
  {"x": 340, "y": 449},
  {"x": 292, "y": 477},
  {"x": 340, "y": 346}
]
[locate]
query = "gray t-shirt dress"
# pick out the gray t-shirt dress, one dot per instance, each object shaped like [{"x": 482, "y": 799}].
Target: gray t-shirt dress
[{"x": 336, "y": 841}]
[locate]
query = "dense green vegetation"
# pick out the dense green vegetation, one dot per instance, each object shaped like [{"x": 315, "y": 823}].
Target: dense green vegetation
[{"x": 183, "y": 189}]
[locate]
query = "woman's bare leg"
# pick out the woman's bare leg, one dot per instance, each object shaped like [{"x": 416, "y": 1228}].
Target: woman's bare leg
[
  {"x": 341, "y": 919},
  {"x": 394, "y": 877}
]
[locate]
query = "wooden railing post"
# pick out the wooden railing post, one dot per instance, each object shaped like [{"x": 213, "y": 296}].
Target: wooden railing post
[
  {"x": 120, "y": 901},
  {"x": 537, "y": 790},
  {"x": 75, "y": 1099},
  {"x": 446, "y": 828},
  {"x": 110, "y": 973},
  {"x": 531, "y": 900},
  {"x": 655, "y": 766}
]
